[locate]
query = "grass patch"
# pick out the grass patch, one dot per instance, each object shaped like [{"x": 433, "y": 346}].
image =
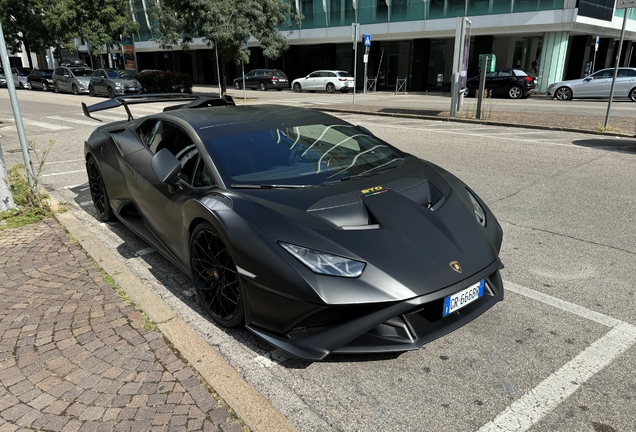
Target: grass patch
[
  {"x": 609, "y": 128},
  {"x": 32, "y": 204},
  {"x": 149, "y": 325}
]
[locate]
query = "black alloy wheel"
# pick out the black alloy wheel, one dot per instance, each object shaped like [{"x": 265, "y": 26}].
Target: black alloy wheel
[
  {"x": 75, "y": 90},
  {"x": 632, "y": 94},
  {"x": 515, "y": 92},
  {"x": 111, "y": 92},
  {"x": 298, "y": 88},
  {"x": 237, "y": 85},
  {"x": 215, "y": 277},
  {"x": 262, "y": 87},
  {"x": 98, "y": 191},
  {"x": 331, "y": 88}
]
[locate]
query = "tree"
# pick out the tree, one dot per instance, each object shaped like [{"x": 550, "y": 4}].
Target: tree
[
  {"x": 22, "y": 24},
  {"x": 98, "y": 22},
  {"x": 226, "y": 23}
]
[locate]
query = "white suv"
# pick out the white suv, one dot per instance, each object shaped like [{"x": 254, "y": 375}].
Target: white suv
[{"x": 327, "y": 80}]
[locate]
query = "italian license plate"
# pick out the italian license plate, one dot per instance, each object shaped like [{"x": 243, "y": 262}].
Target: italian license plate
[{"x": 464, "y": 297}]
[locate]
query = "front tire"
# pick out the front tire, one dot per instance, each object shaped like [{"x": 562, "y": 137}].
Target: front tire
[
  {"x": 632, "y": 94},
  {"x": 56, "y": 89},
  {"x": 298, "y": 88},
  {"x": 98, "y": 191},
  {"x": 75, "y": 90},
  {"x": 215, "y": 276},
  {"x": 563, "y": 93},
  {"x": 21, "y": 86},
  {"x": 45, "y": 87},
  {"x": 237, "y": 85},
  {"x": 331, "y": 88},
  {"x": 515, "y": 92},
  {"x": 110, "y": 92},
  {"x": 262, "y": 87}
]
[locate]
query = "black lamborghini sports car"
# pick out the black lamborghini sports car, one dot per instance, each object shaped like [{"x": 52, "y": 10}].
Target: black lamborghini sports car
[{"x": 313, "y": 233}]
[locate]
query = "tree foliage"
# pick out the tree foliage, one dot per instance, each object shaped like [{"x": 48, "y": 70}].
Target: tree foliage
[
  {"x": 98, "y": 22},
  {"x": 226, "y": 23},
  {"x": 22, "y": 26}
]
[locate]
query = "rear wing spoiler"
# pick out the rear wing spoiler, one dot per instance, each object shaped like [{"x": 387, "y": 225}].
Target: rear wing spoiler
[{"x": 125, "y": 101}]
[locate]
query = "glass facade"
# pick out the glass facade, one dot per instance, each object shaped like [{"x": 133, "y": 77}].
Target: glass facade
[{"x": 139, "y": 14}]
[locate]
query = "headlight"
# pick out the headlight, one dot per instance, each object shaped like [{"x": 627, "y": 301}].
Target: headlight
[
  {"x": 480, "y": 214},
  {"x": 117, "y": 84},
  {"x": 324, "y": 263}
]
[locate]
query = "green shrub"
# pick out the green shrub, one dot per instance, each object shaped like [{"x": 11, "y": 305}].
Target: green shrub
[{"x": 165, "y": 82}]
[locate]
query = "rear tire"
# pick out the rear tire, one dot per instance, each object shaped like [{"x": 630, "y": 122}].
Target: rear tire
[
  {"x": 262, "y": 87},
  {"x": 563, "y": 93},
  {"x": 237, "y": 85},
  {"x": 298, "y": 88},
  {"x": 216, "y": 277},
  {"x": 515, "y": 92},
  {"x": 98, "y": 191},
  {"x": 91, "y": 91},
  {"x": 331, "y": 88},
  {"x": 632, "y": 94}
]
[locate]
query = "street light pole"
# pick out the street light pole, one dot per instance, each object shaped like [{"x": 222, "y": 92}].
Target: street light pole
[
  {"x": 618, "y": 59},
  {"x": 17, "y": 115}
]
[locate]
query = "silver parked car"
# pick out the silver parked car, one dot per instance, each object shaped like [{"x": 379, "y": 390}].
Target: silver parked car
[
  {"x": 20, "y": 75},
  {"x": 113, "y": 82},
  {"x": 324, "y": 80},
  {"x": 71, "y": 80},
  {"x": 3, "y": 79},
  {"x": 597, "y": 85}
]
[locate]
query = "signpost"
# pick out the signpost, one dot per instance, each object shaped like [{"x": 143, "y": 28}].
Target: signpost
[
  {"x": 627, "y": 5},
  {"x": 355, "y": 35},
  {"x": 595, "y": 50},
  {"x": 367, "y": 43}
]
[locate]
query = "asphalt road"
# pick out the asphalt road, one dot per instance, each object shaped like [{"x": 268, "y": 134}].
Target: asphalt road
[{"x": 558, "y": 354}]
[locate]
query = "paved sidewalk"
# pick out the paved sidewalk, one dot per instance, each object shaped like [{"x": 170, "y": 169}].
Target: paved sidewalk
[{"x": 75, "y": 357}]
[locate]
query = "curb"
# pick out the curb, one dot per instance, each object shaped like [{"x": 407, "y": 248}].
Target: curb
[
  {"x": 250, "y": 406},
  {"x": 471, "y": 121}
]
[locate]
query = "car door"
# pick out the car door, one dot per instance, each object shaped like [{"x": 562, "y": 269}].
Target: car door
[
  {"x": 249, "y": 78},
  {"x": 66, "y": 80},
  {"x": 159, "y": 204},
  {"x": 100, "y": 82},
  {"x": 312, "y": 81},
  {"x": 595, "y": 86},
  {"x": 625, "y": 81}
]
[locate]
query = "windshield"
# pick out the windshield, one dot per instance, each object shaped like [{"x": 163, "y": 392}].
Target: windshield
[
  {"x": 23, "y": 71},
  {"x": 118, "y": 74},
  {"x": 82, "y": 72},
  {"x": 301, "y": 155}
]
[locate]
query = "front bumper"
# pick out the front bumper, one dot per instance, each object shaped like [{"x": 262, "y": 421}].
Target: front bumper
[{"x": 388, "y": 327}]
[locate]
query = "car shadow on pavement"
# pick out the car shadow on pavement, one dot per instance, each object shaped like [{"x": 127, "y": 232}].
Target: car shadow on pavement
[
  {"x": 411, "y": 111},
  {"x": 615, "y": 144}
]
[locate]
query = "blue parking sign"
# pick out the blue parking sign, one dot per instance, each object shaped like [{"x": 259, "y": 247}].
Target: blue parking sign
[{"x": 367, "y": 40}]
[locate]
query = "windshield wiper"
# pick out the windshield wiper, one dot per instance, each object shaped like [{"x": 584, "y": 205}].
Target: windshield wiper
[
  {"x": 373, "y": 171},
  {"x": 268, "y": 186}
]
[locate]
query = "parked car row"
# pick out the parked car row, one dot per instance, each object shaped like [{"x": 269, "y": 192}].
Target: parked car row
[
  {"x": 76, "y": 80},
  {"x": 321, "y": 80},
  {"x": 597, "y": 85}
]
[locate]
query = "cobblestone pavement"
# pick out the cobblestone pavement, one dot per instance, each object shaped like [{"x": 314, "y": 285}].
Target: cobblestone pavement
[{"x": 74, "y": 356}]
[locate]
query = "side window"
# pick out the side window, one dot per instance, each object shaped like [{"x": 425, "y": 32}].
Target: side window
[
  {"x": 504, "y": 73},
  {"x": 202, "y": 176},
  {"x": 165, "y": 135},
  {"x": 314, "y": 75},
  {"x": 626, "y": 73},
  {"x": 147, "y": 130}
]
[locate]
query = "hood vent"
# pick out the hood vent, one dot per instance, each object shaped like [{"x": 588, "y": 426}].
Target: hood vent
[{"x": 347, "y": 211}]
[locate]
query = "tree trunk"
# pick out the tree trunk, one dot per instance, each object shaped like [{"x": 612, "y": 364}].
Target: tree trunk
[
  {"x": 223, "y": 80},
  {"x": 28, "y": 53}
]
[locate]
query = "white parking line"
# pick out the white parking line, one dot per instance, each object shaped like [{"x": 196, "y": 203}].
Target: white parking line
[
  {"x": 547, "y": 395},
  {"x": 85, "y": 203},
  {"x": 45, "y": 125},
  {"x": 77, "y": 121},
  {"x": 84, "y": 186},
  {"x": 64, "y": 162},
  {"x": 64, "y": 173}
]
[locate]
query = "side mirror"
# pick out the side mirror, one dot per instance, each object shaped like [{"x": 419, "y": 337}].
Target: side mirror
[
  {"x": 589, "y": 78},
  {"x": 166, "y": 167}
]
